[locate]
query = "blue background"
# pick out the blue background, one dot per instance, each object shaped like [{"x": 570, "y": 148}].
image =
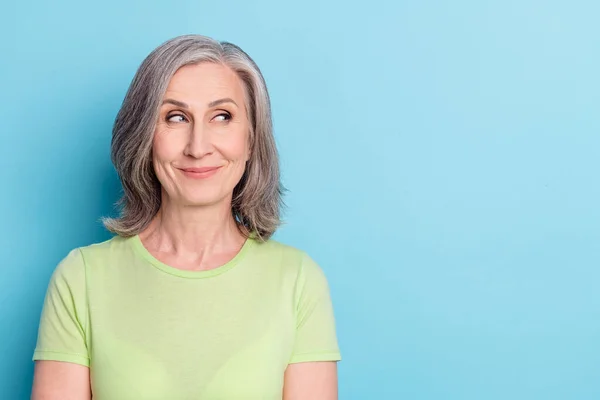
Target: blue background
[{"x": 442, "y": 160}]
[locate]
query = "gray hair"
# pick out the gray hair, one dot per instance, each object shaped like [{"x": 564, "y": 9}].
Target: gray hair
[{"x": 257, "y": 198}]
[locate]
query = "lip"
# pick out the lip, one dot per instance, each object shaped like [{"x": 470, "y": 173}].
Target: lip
[{"x": 199, "y": 173}]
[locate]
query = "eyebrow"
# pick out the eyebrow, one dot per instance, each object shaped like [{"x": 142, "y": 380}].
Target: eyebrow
[
  {"x": 176, "y": 103},
  {"x": 221, "y": 101},
  {"x": 210, "y": 105}
]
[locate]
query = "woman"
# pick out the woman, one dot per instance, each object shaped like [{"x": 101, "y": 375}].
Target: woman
[{"x": 191, "y": 299}]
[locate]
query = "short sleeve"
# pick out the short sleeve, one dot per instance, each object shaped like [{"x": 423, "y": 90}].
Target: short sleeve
[
  {"x": 316, "y": 338},
  {"x": 62, "y": 330}
]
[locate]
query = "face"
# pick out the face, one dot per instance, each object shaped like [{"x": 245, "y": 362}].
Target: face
[{"x": 201, "y": 141}]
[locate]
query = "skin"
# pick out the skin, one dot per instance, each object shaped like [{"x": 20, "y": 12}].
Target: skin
[{"x": 203, "y": 123}]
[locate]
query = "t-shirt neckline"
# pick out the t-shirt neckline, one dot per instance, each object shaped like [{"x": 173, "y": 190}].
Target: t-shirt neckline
[{"x": 142, "y": 251}]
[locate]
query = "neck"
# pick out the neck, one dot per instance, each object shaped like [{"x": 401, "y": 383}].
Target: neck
[{"x": 193, "y": 229}]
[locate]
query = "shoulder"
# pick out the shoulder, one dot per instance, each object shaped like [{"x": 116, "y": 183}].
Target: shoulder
[
  {"x": 105, "y": 248},
  {"x": 76, "y": 262},
  {"x": 281, "y": 253},
  {"x": 274, "y": 248},
  {"x": 291, "y": 259}
]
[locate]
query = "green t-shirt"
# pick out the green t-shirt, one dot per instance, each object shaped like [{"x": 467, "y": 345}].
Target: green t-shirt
[{"x": 151, "y": 331}]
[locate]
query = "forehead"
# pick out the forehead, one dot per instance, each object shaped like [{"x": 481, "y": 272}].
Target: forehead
[{"x": 206, "y": 81}]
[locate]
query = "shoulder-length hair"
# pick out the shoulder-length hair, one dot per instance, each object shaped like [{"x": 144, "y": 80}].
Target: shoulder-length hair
[{"x": 257, "y": 198}]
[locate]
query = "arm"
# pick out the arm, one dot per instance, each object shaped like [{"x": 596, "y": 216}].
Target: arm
[
  {"x": 311, "y": 380},
  {"x": 312, "y": 370},
  {"x": 61, "y": 354},
  {"x": 56, "y": 380}
]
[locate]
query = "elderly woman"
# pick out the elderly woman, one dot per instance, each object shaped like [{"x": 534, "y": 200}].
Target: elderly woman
[{"x": 191, "y": 299}]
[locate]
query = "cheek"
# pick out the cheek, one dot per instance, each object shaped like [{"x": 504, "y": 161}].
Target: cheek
[
  {"x": 240, "y": 152},
  {"x": 236, "y": 149},
  {"x": 164, "y": 150}
]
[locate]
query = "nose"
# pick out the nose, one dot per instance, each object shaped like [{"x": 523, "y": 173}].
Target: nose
[{"x": 198, "y": 144}]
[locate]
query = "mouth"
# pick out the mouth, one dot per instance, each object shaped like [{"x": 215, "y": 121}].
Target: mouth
[{"x": 200, "y": 173}]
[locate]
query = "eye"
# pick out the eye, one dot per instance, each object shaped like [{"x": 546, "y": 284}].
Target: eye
[
  {"x": 176, "y": 118},
  {"x": 222, "y": 117}
]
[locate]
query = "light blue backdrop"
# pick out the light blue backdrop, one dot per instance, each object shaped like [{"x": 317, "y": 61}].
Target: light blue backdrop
[{"x": 442, "y": 160}]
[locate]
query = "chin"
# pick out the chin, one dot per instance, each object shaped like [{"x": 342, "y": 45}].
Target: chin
[{"x": 204, "y": 199}]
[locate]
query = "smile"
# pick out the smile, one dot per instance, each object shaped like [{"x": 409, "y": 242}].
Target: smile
[{"x": 199, "y": 173}]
